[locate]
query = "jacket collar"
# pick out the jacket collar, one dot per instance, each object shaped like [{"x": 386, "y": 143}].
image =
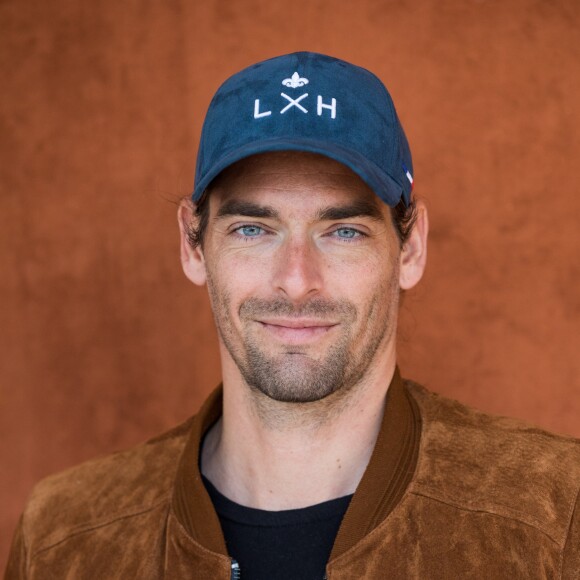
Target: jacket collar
[{"x": 384, "y": 482}]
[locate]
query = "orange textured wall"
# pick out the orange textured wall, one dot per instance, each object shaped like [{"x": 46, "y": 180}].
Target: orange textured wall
[{"x": 104, "y": 343}]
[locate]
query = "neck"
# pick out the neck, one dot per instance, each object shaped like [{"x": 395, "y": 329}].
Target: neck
[{"x": 274, "y": 456}]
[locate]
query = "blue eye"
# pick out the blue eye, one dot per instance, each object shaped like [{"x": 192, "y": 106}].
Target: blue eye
[
  {"x": 347, "y": 233},
  {"x": 250, "y": 231}
]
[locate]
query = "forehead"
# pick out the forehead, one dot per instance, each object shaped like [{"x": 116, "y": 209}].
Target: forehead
[{"x": 305, "y": 179}]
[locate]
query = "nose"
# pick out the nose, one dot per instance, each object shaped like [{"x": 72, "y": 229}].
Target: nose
[{"x": 298, "y": 269}]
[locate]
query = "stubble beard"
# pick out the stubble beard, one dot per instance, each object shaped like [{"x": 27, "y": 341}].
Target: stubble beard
[{"x": 293, "y": 376}]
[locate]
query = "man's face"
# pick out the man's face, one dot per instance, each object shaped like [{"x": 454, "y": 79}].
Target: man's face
[{"x": 302, "y": 263}]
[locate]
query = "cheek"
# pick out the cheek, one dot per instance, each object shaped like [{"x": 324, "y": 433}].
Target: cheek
[
  {"x": 362, "y": 273},
  {"x": 236, "y": 278},
  {"x": 377, "y": 289}
]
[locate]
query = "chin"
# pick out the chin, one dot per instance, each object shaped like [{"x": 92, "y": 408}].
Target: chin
[{"x": 290, "y": 381}]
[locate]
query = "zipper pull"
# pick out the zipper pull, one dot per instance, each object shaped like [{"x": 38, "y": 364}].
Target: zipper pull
[{"x": 236, "y": 574}]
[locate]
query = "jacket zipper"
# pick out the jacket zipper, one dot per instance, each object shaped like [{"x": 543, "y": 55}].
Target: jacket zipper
[{"x": 235, "y": 575}]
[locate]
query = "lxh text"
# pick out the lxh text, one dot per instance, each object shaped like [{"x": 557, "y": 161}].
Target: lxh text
[{"x": 298, "y": 104}]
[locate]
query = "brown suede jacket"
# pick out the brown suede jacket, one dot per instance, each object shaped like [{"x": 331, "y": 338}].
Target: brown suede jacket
[{"x": 449, "y": 493}]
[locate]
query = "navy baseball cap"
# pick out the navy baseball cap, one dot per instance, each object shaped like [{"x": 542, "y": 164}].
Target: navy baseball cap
[{"x": 308, "y": 102}]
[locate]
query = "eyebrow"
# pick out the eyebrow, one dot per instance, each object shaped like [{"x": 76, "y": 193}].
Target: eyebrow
[
  {"x": 362, "y": 208},
  {"x": 234, "y": 207}
]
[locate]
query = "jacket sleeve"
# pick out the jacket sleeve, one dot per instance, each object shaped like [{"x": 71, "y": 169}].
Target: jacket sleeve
[
  {"x": 571, "y": 558},
  {"x": 16, "y": 569}
]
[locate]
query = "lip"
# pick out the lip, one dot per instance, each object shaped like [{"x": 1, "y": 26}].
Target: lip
[
  {"x": 297, "y": 323},
  {"x": 297, "y": 330}
]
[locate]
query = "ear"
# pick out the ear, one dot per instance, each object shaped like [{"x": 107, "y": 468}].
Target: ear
[
  {"x": 192, "y": 260},
  {"x": 414, "y": 253}
]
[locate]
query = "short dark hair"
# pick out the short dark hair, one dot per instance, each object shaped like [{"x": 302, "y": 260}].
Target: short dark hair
[{"x": 403, "y": 218}]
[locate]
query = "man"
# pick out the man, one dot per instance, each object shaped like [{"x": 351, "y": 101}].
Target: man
[{"x": 315, "y": 459}]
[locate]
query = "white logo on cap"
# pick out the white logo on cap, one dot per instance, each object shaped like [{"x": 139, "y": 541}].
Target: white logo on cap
[
  {"x": 295, "y": 81},
  {"x": 294, "y": 102}
]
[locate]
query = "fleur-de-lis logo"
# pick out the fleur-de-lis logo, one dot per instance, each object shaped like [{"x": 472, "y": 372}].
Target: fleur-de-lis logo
[{"x": 295, "y": 81}]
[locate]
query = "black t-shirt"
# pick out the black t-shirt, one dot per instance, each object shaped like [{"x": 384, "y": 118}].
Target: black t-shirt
[{"x": 279, "y": 545}]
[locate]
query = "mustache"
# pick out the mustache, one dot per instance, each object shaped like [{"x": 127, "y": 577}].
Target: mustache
[{"x": 320, "y": 307}]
